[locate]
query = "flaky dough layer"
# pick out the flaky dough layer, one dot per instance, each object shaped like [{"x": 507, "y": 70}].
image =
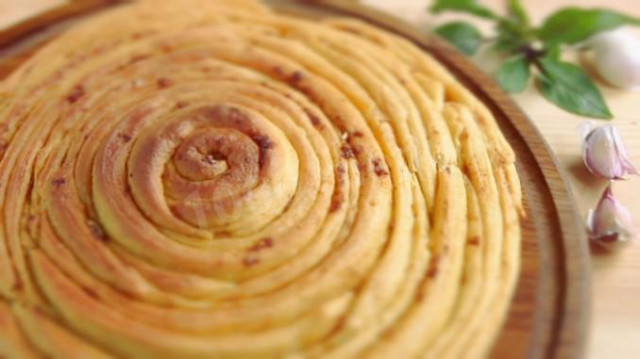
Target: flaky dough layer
[{"x": 211, "y": 179}]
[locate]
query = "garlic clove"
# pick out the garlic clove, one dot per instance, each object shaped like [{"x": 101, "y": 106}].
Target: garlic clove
[
  {"x": 627, "y": 168},
  {"x": 610, "y": 223},
  {"x": 605, "y": 154},
  {"x": 617, "y": 58}
]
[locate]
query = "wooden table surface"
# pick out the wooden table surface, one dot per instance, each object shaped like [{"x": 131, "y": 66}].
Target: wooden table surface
[{"x": 615, "y": 319}]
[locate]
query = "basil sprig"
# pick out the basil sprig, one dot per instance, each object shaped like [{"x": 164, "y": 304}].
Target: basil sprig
[
  {"x": 463, "y": 35},
  {"x": 535, "y": 51}
]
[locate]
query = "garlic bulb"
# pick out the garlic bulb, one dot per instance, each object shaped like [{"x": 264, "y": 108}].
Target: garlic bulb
[
  {"x": 617, "y": 58},
  {"x": 604, "y": 152},
  {"x": 610, "y": 223}
]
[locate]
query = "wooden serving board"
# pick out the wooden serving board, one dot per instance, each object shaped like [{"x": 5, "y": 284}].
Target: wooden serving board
[{"x": 549, "y": 314}]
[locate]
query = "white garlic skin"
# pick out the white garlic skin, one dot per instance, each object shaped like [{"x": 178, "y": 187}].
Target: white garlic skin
[
  {"x": 617, "y": 58},
  {"x": 604, "y": 152},
  {"x": 610, "y": 224}
]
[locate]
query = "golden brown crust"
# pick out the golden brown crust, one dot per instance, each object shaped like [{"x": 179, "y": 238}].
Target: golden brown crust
[{"x": 203, "y": 179}]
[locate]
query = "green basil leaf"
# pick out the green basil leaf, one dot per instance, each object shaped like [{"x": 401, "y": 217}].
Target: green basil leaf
[
  {"x": 553, "y": 52},
  {"x": 507, "y": 44},
  {"x": 567, "y": 86},
  {"x": 509, "y": 27},
  {"x": 508, "y": 39},
  {"x": 572, "y": 25},
  {"x": 467, "y": 6},
  {"x": 513, "y": 75},
  {"x": 518, "y": 13},
  {"x": 462, "y": 35}
]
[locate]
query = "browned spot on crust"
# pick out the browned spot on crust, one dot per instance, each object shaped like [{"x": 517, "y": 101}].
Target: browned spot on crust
[
  {"x": 338, "y": 121},
  {"x": 58, "y": 182},
  {"x": 90, "y": 292},
  {"x": 379, "y": 168},
  {"x": 96, "y": 230},
  {"x": 315, "y": 120},
  {"x": 350, "y": 138},
  {"x": 30, "y": 188},
  {"x": 346, "y": 151},
  {"x": 465, "y": 170},
  {"x": 3, "y": 148},
  {"x": 164, "y": 82},
  {"x": 125, "y": 138},
  {"x": 137, "y": 58},
  {"x": 182, "y": 104},
  {"x": 222, "y": 234},
  {"x": 362, "y": 167},
  {"x": 279, "y": 71},
  {"x": 75, "y": 94},
  {"x": 464, "y": 136},
  {"x": 338, "y": 197},
  {"x": 138, "y": 35},
  {"x": 264, "y": 243},
  {"x": 312, "y": 96},
  {"x": 336, "y": 202},
  {"x": 234, "y": 115},
  {"x": 264, "y": 143},
  {"x": 474, "y": 241},
  {"x": 296, "y": 77},
  {"x": 433, "y": 267},
  {"x": 250, "y": 261},
  {"x": 166, "y": 47},
  {"x": 357, "y": 149}
]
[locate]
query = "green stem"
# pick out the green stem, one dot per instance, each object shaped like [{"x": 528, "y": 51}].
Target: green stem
[{"x": 533, "y": 55}]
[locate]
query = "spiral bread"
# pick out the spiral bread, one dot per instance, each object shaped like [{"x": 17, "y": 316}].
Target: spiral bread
[{"x": 213, "y": 179}]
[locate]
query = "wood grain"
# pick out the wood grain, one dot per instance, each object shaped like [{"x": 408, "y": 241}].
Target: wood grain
[
  {"x": 44, "y": 19},
  {"x": 548, "y": 318},
  {"x": 14, "y": 11}
]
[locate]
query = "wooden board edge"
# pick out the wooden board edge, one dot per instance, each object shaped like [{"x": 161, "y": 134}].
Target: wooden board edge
[
  {"x": 52, "y": 16},
  {"x": 571, "y": 323}
]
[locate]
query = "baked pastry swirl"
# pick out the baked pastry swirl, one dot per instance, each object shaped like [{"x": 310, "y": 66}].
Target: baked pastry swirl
[{"x": 212, "y": 179}]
